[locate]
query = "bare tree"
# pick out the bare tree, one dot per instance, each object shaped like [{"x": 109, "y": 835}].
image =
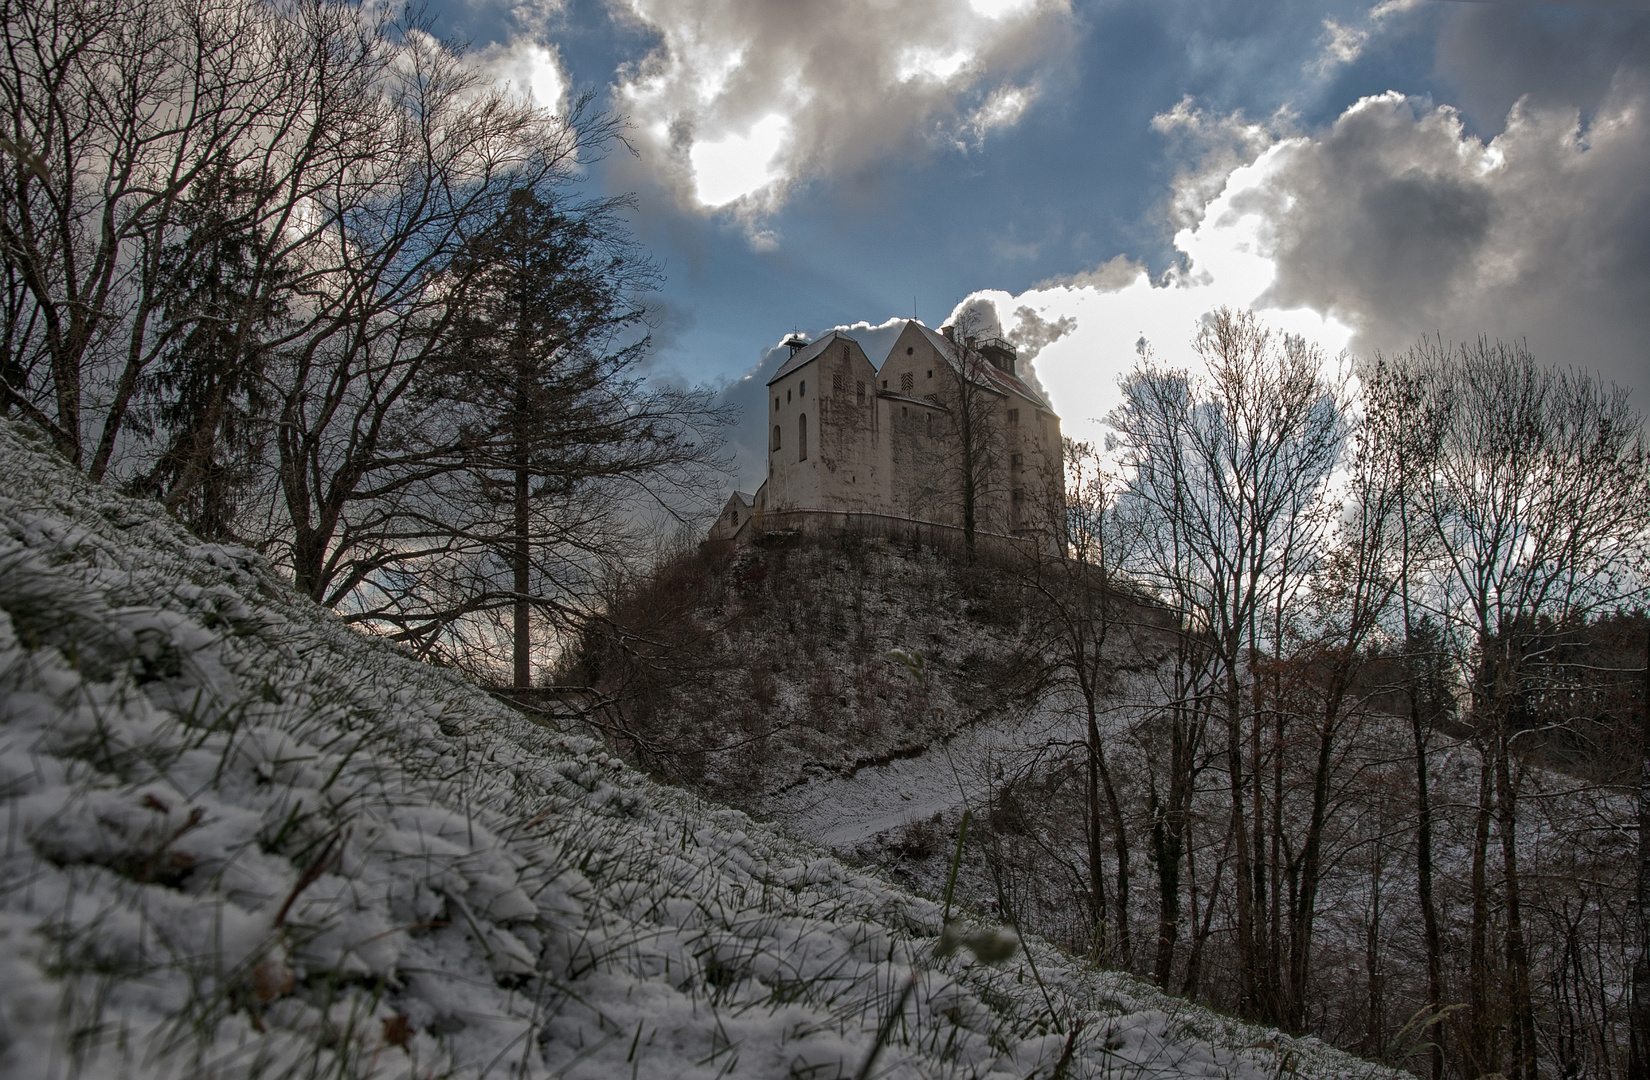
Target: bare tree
[
  {"x": 1533, "y": 488},
  {"x": 120, "y": 117},
  {"x": 1228, "y": 467},
  {"x": 1078, "y": 612},
  {"x": 1639, "y": 1015}
]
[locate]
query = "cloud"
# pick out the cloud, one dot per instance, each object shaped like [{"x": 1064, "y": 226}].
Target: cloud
[
  {"x": 1344, "y": 43},
  {"x": 1494, "y": 55},
  {"x": 741, "y": 100},
  {"x": 1399, "y": 223},
  {"x": 1393, "y": 223},
  {"x": 527, "y": 68}
]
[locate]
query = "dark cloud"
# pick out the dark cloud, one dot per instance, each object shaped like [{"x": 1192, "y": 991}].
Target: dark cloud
[
  {"x": 1401, "y": 223},
  {"x": 1493, "y": 55},
  {"x": 1032, "y": 332}
]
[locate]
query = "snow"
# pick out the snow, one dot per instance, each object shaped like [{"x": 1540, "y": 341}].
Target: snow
[{"x": 242, "y": 839}]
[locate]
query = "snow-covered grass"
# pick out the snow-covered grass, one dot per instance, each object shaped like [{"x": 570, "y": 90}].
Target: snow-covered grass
[{"x": 242, "y": 839}]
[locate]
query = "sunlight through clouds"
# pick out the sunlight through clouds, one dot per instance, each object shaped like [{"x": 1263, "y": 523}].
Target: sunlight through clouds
[
  {"x": 1118, "y": 310},
  {"x": 1394, "y": 223},
  {"x": 734, "y": 166},
  {"x": 998, "y": 9},
  {"x": 527, "y": 68},
  {"x": 742, "y": 100}
]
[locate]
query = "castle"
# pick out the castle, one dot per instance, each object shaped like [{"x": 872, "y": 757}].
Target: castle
[{"x": 905, "y": 449}]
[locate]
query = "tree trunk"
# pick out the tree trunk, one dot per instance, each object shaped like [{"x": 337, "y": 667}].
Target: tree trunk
[
  {"x": 1248, "y": 987},
  {"x": 1166, "y": 852},
  {"x": 1480, "y": 1050},
  {"x": 1097, "y": 870},
  {"x": 1169, "y": 842},
  {"x": 1638, "y": 1017},
  {"x": 523, "y": 615},
  {"x": 1120, "y": 838},
  {"x": 1518, "y": 962},
  {"x": 1305, "y": 902},
  {"x": 1423, "y": 877},
  {"x": 521, "y": 652}
]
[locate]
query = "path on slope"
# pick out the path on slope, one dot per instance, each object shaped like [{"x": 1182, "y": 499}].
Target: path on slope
[{"x": 842, "y": 812}]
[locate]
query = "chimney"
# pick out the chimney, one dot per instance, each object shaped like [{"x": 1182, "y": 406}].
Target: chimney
[{"x": 948, "y": 331}]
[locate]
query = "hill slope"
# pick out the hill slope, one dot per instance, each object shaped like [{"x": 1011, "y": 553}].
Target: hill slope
[{"x": 244, "y": 840}]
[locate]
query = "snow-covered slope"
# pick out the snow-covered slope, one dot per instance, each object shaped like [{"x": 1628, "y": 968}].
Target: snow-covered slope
[{"x": 244, "y": 840}]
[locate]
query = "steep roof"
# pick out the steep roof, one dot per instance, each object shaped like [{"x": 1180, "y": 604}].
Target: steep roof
[
  {"x": 807, "y": 354},
  {"x": 995, "y": 376}
]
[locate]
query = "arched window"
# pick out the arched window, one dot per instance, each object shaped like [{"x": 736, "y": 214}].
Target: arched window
[
  {"x": 775, "y": 445},
  {"x": 802, "y": 437}
]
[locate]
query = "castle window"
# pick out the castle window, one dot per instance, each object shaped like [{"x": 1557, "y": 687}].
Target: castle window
[
  {"x": 905, "y": 381},
  {"x": 802, "y": 437},
  {"x": 1019, "y": 495},
  {"x": 775, "y": 445},
  {"x": 885, "y": 384},
  {"x": 903, "y": 411},
  {"x": 910, "y": 351},
  {"x": 803, "y": 389},
  {"x": 787, "y": 396},
  {"x": 836, "y": 382},
  {"x": 776, "y": 402},
  {"x": 930, "y": 373},
  {"x": 1014, "y": 418},
  {"x": 930, "y": 423},
  {"x": 1016, "y": 461},
  {"x": 859, "y": 387}
]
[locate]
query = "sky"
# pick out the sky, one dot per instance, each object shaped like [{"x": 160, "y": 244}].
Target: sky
[{"x": 1096, "y": 176}]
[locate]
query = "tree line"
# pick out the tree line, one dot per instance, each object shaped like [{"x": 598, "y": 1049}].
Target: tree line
[
  {"x": 300, "y": 273},
  {"x": 1399, "y": 667}
]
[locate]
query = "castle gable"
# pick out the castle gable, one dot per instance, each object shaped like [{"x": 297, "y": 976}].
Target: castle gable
[
  {"x": 852, "y": 441},
  {"x": 809, "y": 353}
]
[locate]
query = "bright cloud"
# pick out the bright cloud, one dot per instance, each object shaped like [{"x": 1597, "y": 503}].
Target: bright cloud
[
  {"x": 745, "y": 96},
  {"x": 1002, "y": 109},
  {"x": 1115, "y": 311},
  {"x": 926, "y": 63},
  {"x": 527, "y": 68},
  {"x": 1344, "y": 43},
  {"x": 1001, "y": 9},
  {"x": 734, "y": 166}
]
